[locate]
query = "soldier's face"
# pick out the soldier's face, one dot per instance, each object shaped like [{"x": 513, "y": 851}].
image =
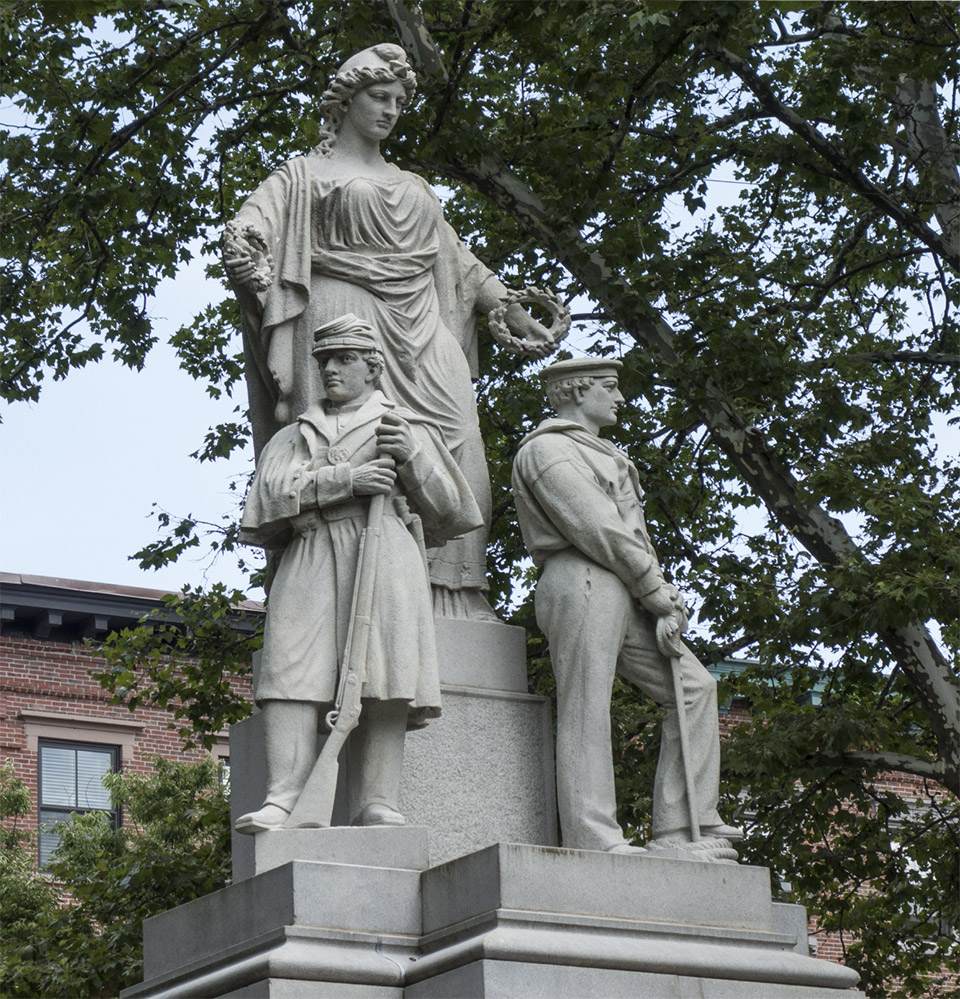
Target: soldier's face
[
  {"x": 600, "y": 401},
  {"x": 345, "y": 375}
]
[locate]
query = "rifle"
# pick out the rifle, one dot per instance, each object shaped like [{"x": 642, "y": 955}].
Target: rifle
[{"x": 314, "y": 807}]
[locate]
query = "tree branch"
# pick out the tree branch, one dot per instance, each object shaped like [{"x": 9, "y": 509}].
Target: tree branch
[
  {"x": 857, "y": 760},
  {"x": 924, "y": 357},
  {"x": 844, "y": 170},
  {"x": 932, "y": 151},
  {"x": 748, "y": 452}
]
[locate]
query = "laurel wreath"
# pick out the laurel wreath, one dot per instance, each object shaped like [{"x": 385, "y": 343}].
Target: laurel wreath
[
  {"x": 559, "y": 326},
  {"x": 247, "y": 240}
]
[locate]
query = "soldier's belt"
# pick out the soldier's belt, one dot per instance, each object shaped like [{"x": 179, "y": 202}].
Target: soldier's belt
[
  {"x": 304, "y": 523},
  {"x": 344, "y": 511}
]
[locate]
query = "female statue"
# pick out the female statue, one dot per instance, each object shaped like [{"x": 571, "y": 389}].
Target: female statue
[{"x": 343, "y": 231}]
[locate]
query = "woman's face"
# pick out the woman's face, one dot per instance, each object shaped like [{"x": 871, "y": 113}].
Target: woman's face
[{"x": 373, "y": 111}]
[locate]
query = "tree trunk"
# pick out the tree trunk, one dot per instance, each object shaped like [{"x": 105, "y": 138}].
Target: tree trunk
[{"x": 933, "y": 153}]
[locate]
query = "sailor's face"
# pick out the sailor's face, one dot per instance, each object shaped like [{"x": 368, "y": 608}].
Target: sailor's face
[
  {"x": 345, "y": 375},
  {"x": 374, "y": 110},
  {"x": 601, "y": 400}
]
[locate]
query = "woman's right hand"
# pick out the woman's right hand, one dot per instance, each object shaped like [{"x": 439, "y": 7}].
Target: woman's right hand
[{"x": 240, "y": 266}]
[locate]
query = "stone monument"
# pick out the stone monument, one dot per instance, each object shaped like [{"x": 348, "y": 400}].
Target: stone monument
[
  {"x": 342, "y": 230},
  {"x": 451, "y": 883},
  {"x": 333, "y": 614}
]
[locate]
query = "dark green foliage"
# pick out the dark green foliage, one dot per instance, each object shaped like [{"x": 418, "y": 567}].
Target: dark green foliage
[
  {"x": 188, "y": 659},
  {"x": 174, "y": 846},
  {"x": 26, "y": 897},
  {"x": 753, "y": 203}
]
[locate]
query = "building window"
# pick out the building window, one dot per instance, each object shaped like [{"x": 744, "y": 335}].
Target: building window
[{"x": 71, "y": 780}]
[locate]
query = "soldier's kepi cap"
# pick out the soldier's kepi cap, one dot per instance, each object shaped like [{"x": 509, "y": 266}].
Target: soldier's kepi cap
[
  {"x": 347, "y": 332},
  {"x": 575, "y": 366}
]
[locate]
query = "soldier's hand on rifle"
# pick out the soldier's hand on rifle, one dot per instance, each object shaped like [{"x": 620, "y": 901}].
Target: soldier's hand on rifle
[
  {"x": 395, "y": 438},
  {"x": 372, "y": 477}
]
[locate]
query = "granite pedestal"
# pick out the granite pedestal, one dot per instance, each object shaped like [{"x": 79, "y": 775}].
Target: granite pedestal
[
  {"x": 372, "y": 912},
  {"x": 507, "y": 921}
]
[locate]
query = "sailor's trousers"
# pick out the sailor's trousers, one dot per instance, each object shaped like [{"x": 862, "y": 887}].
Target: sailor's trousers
[{"x": 595, "y": 630}]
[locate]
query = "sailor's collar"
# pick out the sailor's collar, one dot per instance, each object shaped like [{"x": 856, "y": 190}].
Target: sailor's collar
[{"x": 578, "y": 432}]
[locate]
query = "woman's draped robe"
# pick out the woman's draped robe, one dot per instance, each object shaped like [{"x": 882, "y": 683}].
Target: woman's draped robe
[{"x": 381, "y": 249}]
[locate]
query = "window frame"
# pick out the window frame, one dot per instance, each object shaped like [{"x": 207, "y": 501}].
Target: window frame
[{"x": 64, "y": 811}]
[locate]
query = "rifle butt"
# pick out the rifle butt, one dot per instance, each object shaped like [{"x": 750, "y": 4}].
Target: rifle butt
[{"x": 314, "y": 807}]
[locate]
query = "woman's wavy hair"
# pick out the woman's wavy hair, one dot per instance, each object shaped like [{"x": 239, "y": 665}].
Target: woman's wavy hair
[{"x": 333, "y": 103}]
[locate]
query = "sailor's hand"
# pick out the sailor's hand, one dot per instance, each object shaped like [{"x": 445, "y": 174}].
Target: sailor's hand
[
  {"x": 660, "y": 602},
  {"x": 395, "y": 438},
  {"x": 679, "y": 607},
  {"x": 537, "y": 339},
  {"x": 372, "y": 477},
  {"x": 669, "y": 631}
]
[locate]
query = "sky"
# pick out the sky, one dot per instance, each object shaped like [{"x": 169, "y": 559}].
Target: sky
[{"x": 85, "y": 464}]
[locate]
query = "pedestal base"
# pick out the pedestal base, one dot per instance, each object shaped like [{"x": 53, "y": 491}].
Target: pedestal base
[
  {"x": 402, "y": 847},
  {"x": 507, "y": 921}
]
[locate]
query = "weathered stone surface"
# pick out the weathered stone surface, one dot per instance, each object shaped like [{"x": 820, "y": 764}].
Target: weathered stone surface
[
  {"x": 511, "y": 920},
  {"x": 482, "y": 773},
  {"x": 289, "y": 988},
  {"x": 515, "y": 979},
  {"x": 482, "y": 654},
  {"x": 589, "y": 883},
  {"x": 341, "y": 898},
  {"x": 402, "y": 847}
]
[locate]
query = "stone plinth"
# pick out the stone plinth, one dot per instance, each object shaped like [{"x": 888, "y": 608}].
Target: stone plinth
[
  {"x": 482, "y": 773},
  {"x": 507, "y": 921},
  {"x": 521, "y": 921},
  {"x": 400, "y": 847}
]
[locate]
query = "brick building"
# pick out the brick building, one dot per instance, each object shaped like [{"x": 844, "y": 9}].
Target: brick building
[{"x": 56, "y": 724}]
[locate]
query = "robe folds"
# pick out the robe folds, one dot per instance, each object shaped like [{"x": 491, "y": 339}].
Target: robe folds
[
  {"x": 301, "y": 500},
  {"x": 381, "y": 249}
]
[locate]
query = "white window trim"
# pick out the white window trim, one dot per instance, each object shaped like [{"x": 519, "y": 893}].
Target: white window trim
[{"x": 75, "y": 728}]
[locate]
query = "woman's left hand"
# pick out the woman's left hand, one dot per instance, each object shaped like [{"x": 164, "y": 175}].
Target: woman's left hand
[{"x": 538, "y": 340}]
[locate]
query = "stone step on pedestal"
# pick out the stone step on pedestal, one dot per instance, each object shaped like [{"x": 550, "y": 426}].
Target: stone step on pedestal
[
  {"x": 508, "y": 921},
  {"x": 310, "y": 929},
  {"x": 400, "y": 847},
  {"x": 526, "y": 921}
]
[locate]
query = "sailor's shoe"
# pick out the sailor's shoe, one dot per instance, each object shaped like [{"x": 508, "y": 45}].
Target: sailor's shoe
[{"x": 379, "y": 814}]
